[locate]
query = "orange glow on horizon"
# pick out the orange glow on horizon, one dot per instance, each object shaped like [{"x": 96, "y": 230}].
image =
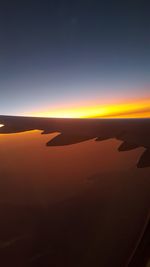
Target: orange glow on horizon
[{"x": 136, "y": 109}]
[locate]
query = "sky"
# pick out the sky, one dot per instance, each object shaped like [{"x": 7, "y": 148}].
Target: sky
[{"x": 75, "y": 58}]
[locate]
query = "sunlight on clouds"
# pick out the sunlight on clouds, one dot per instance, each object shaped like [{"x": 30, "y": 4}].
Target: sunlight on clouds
[{"x": 138, "y": 109}]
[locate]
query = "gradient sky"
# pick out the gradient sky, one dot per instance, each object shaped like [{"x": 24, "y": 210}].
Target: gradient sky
[{"x": 70, "y": 54}]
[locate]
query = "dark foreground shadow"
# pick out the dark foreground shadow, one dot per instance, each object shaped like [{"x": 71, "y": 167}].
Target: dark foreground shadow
[
  {"x": 96, "y": 227},
  {"x": 133, "y": 133}
]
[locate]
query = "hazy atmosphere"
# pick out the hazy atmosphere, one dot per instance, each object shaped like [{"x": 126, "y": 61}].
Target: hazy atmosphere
[
  {"x": 74, "y": 133},
  {"x": 60, "y": 58}
]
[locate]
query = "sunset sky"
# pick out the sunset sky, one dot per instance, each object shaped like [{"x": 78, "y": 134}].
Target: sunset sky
[{"x": 75, "y": 58}]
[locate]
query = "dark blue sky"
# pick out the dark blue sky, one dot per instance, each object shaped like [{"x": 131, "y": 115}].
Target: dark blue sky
[{"x": 58, "y": 52}]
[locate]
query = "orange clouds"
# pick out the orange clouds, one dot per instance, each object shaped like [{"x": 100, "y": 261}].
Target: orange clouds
[{"x": 139, "y": 108}]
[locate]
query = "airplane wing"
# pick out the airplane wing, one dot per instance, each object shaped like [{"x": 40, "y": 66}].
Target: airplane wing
[{"x": 133, "y": 133}]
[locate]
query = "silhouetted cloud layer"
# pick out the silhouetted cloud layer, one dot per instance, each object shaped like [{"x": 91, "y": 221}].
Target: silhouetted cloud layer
[{"x": 133, "y": 133}]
